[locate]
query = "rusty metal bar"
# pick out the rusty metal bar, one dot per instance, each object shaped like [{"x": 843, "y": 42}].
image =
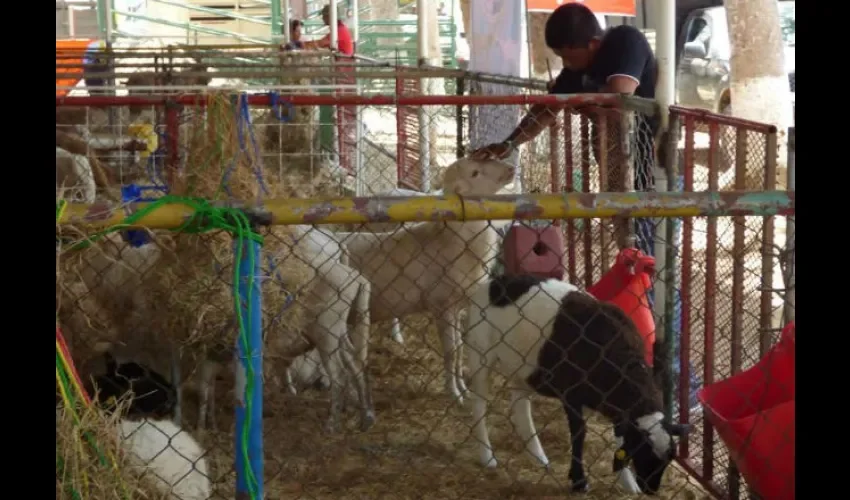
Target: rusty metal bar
[
  {"x": 738, "y": 254},
  {"x": 738, "y": 257},
  {"x": 584, "y": 131},
  {"x": 685, "y": 293},
  {"x": 566, "y": 100},
  {"x": 790, "y": 275},
  {"x": 766, "y": 298},
  {"x": 569, "y": 171},
  {"x": 626, "y": 171},
  {"x": 710, "y": 310},
  {"x": 554, "y": 162},
  {"x": 708, "y": 116},
  {"x": 453, "y": 208},
  {"x": 601, "y": 125}
]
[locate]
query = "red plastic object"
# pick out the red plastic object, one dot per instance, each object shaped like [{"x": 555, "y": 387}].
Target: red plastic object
[
  {"x": 536, "y": 251},
  {"x": 625, "y": 285},
  {"x": 753, "y": 413}
]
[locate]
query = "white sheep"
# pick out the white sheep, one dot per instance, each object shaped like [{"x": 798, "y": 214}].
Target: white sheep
[
  {"x": 545, "y": 336},
  {"x": 156, "y": 448},
  {"x": 429, "y": 267},
  {"x": 74, "y": 175},
  {"x": 340, "y": 299},
  {"x": 114, "y": 275}
]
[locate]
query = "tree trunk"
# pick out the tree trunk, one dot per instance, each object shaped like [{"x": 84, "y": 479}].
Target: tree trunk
[{"x": 759, "y": 87}]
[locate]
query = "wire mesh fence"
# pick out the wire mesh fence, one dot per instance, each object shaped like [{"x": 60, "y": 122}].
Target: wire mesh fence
[
  {"x": 421, "y": 435},
  {"x": 730, "y": 282},
  {"x": 168, "y": 300}
]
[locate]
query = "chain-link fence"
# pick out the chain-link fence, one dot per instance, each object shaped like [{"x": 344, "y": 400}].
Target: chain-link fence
[
  {"x": 731, "y": 287},
  {"x": 421, "y": 445},
  {"x": 166, "y": 300}
]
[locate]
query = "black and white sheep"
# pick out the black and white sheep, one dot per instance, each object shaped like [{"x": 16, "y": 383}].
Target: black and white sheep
[
  {"x": 546, "y": 336},
  {"x": 155, "y": 445}
]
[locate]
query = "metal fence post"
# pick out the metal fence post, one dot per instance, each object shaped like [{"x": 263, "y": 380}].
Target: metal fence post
[
  {"x": 249, "y": 374},
  {"x": 790, "y": 272},
  {"x": 665, "y": 289}
]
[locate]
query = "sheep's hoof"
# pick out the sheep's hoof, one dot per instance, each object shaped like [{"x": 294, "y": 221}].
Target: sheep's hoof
[
  {"x": 367, "y": 421},
  {"x": 489, "y": 463},
  {"x": 580, "y": 486}
]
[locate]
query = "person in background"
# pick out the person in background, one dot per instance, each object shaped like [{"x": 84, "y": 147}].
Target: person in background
[
  {"x": 619, "y": 60},
  {"x": 95, "y": 61},
  {"x": 295, "y": 42},
  {"x": 345, "y": 43}
]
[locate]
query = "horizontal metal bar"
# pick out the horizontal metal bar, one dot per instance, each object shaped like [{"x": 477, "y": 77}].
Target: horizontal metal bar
[
  {"x": 452, "y": 208},
  {"x": 217, "y": 12},
  {"x": 566, "y": 100},
  {"x": 204, "y": 88},
  {"x": 705, "y": 115},
  {"x": 189, "y": 26}
]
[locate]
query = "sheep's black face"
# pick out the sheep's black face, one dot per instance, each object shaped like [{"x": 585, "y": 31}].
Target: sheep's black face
[
  {"x": 649, "y": 468},
  {"x": 152, "y": 395},
  {"x": 650, "y": 446}
]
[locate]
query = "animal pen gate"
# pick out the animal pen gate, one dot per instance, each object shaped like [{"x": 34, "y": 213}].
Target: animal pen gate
[
  {"x": 423, "y": 431},
  {"x": 730, "y": 282}
]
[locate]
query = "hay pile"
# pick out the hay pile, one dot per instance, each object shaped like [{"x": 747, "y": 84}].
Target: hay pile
[
  {"x": 179, "y": 289},
  {"x": 80, "y": 469},
  {"x": 292, "y": 133}
]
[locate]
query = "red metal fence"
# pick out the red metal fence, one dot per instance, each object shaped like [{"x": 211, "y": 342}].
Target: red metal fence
[{"x": 729, "y": 288}]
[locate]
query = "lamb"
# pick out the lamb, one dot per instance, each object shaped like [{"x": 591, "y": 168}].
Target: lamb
[
  {"x": 74, "y": 173},
  {"x": 155, "y": 446},
  {"x": 547, "y": 337},
  {"x": 429, "y": 267},
  {"x": 339, "y": 292},
  {"x": 342, "y": 298}
]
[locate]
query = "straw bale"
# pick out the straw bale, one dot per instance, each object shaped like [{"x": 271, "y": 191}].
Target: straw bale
[
  {"x": 83, "y": 471},
  {"x": 179, "y": 290}
]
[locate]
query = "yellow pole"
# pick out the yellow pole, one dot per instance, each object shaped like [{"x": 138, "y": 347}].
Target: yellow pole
[{"x": 437, "y": 208}]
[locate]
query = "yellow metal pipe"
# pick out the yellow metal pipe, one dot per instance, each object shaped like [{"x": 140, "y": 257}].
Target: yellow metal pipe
[{"x": 438, "y": 208}]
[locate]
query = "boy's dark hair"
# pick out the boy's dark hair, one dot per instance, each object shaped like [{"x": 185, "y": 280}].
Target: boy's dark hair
[
  {"x": 571, "y": 25},
  {"x": 295, "y": 23}
]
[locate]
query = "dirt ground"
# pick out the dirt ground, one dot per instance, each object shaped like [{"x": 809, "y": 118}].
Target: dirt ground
[{"x": 421, "y": 445}]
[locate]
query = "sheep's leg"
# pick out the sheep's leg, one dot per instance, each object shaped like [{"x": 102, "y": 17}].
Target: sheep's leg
[
  {"x": 448, "y": 334},
  {"x": 207, "y": 385},
  {"x": 480, "y": 396},
  {"x": 178, "y": 386},
  {"x": 290, "y": 384},
  {"x": 578, "y": 429},
  {"x": 524, "y": 425},
  {"x": 329, "y": 345},
  {"x": 461, "y": 385},
  {"x": 358, "y": 343},
  {"x": 367, "y": 415},
  {"x": 396, "y": 331}
]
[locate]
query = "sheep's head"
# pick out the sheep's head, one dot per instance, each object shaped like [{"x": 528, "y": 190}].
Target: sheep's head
[
  {"x": 149, "y": 393},
  {"x": 649, "y": 445},
  {"x": 470, "y": 177}
]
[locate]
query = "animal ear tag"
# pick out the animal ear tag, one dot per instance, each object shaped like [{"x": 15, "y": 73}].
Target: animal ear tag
[
  {"x": 621, "y": 460},
  {"x": 624, "y": 474}
]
